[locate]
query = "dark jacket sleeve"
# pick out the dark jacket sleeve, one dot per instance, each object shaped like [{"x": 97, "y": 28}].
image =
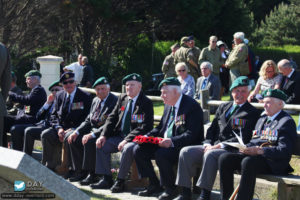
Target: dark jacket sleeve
[
  {"x": 146, "y": 108},
  {"x": 213, "y": 131}
]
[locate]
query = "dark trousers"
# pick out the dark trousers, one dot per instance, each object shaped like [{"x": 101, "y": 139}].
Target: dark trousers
[
  {"x": 166, "y": 159},
  {"x": 17, "y": 135},
  {"x": 32, "y": 133},
  {"x": 75, "y": 151},
  {"x": 89, "y": 156},
  {"x": 249, "y": 166},
  {"x": 10, "y": 121}
]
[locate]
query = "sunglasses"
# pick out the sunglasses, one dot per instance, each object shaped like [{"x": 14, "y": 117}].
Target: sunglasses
[
  {"x": 54, "y": 90},
  {"x": 70, "y": 81},
  {"x": 182, "y": 70}
]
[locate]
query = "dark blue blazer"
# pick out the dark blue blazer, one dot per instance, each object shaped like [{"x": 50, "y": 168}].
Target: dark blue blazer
[
  {"x": 77, "y": 113},
  {"x": 291, "y": 88},
  {"x": 87, "y": 126},
  {"x": 32, "y": 102},
  {"x": 188, "y": 133},
  {"x": 143, "y": 106},
  {"x": 221, "y": 128},
  {"x": 279, "y": 154}
]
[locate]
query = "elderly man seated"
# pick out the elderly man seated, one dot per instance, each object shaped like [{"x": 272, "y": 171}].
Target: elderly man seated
[
  {"x": 269, "y": 151},
  {"x": 238, "y": 116}
]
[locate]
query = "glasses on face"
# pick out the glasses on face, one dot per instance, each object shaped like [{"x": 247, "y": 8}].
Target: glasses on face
[
  {"x": 181, "y": 70},
  {"x": 54, "y": 90},
  {"x": 70, "y": 82}
]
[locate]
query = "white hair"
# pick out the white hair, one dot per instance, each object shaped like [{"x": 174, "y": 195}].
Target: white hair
[
  {"x": 180, "y": 64},
  {"x": 239, "y": 35},
  {"x": 206, "y": 64},
  {"x": 174, "y": 87}
]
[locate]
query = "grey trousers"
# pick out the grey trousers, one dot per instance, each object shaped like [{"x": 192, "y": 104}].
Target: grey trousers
[
  {"x": 190, "y": 158},
  {"x": 103, "y": 157},
  {"x": 209, "y": 168}
]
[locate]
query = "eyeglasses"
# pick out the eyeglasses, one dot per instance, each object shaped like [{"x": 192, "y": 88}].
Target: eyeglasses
[
  {"x": 181, "y": 70},
  {"x": 70, "y": 81},
  {"x": 55, "y": 90}
]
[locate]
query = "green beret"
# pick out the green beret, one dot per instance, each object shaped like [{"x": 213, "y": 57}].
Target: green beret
[
  {"x": 275, "y": 93},
  {"x": 132, "y": 77},
  {"x": 33, "y": 73},
  {"x": 100, "y": 81},
  {"x": 169, "y": 81},
  {"x": 240, "y": 81},
  {"x": 55, "y": 83},
  {"x": 183, "y": 40}
]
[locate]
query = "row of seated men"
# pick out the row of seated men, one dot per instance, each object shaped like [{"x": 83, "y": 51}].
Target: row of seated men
[{"x": 91, "y": 130}]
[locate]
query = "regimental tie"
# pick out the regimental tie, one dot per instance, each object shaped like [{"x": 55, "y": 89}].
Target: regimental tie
[
  {"x": 285, "y": 81},
  {"x": 127, "y": 121},
  {"x": 66, "y": 107},
  {"x": 171, "y": 122},
  {"x": 96, "y": 114},
  {"x": 235, "y": 108},
  {"x": 204, "y": 84}
]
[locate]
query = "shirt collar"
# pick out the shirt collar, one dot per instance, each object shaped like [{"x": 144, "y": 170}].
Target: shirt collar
[
  {"x": 177, "y": 104},
  {"x": 72, "y": 93},
  {"x": 290, "y": 74},
  {"x": 274, "y": 116}
]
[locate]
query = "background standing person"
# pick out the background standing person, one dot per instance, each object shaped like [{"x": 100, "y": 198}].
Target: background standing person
[
  {"x": 88, "y": 73},
  {"x": 5, "y": 78},
  {"x": 14, "y": 108},
  {"x": 76, "y": 68},
  {"x": 196, "y": 50},
  {"x": 224, "y": 72},
  {"x": 168, "y": 67},
  {"x": 237, "y": 61},
  {"x": 185, "y": 54},
  {"x": 186, "y": 80},
  {"x": 212, "y": 54}
]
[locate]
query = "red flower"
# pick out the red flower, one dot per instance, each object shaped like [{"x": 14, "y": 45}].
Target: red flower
[{"x": 122, "y": 108}]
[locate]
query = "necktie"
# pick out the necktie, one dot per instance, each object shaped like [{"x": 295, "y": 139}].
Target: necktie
[
  {"x": 127, "y": 121},
  {"x": 67, "y": 105},
  {"x": 285, "y": 81},
  {"x": 267, "y": 123},
  {"x": 235, "y": 108},
  {"x": 96, "y": 114},
  {"x": 204, "y": 84},
  {"x": 171, "y": 123}
]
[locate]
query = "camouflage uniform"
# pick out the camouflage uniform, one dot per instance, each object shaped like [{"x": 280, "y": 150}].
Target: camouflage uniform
[
  {"x": 214, "y": 57},
  {"x": 184, "y": 54},
  {"x": 168, "y": 67},
  {"x": 237, "y": 61}
]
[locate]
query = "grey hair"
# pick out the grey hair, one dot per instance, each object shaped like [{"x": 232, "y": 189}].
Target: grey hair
[
  {"x": 206, "y": 64},
  {"x": 85, "y": 59},
  {"x": 174, "y": 87},
  {"x": 180, "y": 64},
  {"x": 239, "y": 35},
  {"x": 286, "y": 64},
  {"x": 37, "y": 78},
  {"x": 213, "y": 37}
]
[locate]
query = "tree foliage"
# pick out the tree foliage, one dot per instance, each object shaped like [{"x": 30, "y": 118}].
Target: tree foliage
[{"x": 281, "y": 27}]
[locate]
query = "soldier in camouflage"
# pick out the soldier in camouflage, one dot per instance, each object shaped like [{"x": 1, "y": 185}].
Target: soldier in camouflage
[{"x": 168, "y": 67}]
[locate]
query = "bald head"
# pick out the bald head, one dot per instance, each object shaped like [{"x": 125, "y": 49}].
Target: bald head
[{"x": 284, "y": 67}]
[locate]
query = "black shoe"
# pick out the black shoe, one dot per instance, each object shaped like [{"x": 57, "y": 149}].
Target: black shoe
[
  {"x": 169, "y": 194},
  {"x": 118, "y": 187},
  {"x": 90, "y": 179},
  {"x": 102, "y": 184},
  {"x": 183, "y": 197},
  {"x": 78, "y": 176},
  {"x": 196, "y": 190},
  {"x": 151, "y": 189},
  {"x": 205, "y": 195},
  {"x": 68, "y": 174}
]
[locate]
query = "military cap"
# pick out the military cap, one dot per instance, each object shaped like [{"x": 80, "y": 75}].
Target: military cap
[
  {"x": 66, "y": 76},
  {"x": 276, "y": 93},
  {"x": 100, "y": 81},
  {"x": 183, "y": 40},
  {"x": 191, "y": 37},
  {"x": 55, "y": 83},
  {"x": 132, "y": 77},
  {"x": 219, "y": 43},
  {"x": 169, "y": 81},
  {"x": 176, "y": 45},
  {"x": 33, "y": 73},
  {"x": 240, "y": 81}
]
